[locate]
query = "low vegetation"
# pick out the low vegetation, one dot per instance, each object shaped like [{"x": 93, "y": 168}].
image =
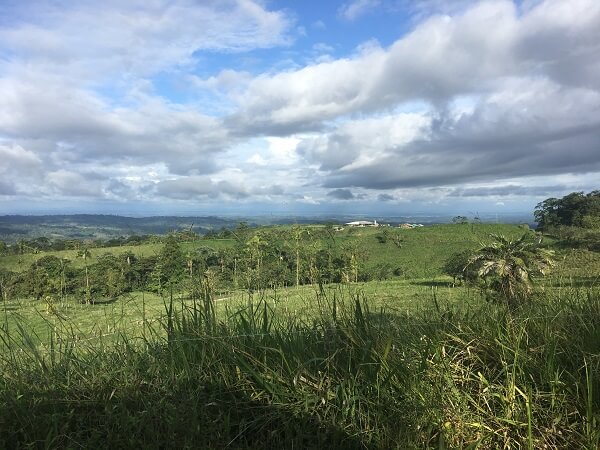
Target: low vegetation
[{"x": 305, "y": 337}]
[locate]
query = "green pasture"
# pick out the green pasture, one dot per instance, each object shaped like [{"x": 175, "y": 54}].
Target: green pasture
[
  {"x": 139, "y": 314},
  {"x": 19, "y": 263},
  {"x": 409, "y": 362},
  {"x": 419, "y": 252}
]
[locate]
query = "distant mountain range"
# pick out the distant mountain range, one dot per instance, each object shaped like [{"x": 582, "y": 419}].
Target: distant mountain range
[{"x": 102, "y": 226}]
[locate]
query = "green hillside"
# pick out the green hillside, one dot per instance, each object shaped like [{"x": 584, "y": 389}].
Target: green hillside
[
  {"x": 302, "y": 336},
  {"x": 419, "y": 252}
]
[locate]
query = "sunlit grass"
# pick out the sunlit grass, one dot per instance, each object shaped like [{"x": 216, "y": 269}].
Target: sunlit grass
[
  {"x": 410, "y": 362},
  {"x": 248, "y": 373}
]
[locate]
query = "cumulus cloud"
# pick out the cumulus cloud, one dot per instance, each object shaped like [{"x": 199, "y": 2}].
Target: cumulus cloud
[
  {"x": 445, "y": 56},
  {"x": 91, "y": 40},
  {"x": 72, "y": 184},
  {"x": 78, "y": 95},
  {"x": 359, "y": 142},
  {"x": 532, "y": 127},
  {"x": 509, "y": 190},
  {"x": 20, "y": 168},
  {"x": 386, "y": 197},
  {"x": 476, "y": 93},
  {"x": 7, "y": 188},
  {"x": 18, "y": 161},
  {"x": 75, "y": 125}
]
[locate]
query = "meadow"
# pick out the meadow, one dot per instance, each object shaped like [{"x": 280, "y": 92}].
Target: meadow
[{"x": 411, "y": 360}]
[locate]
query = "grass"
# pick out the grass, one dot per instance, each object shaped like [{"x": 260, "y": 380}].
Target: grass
[
  {"x": 125, "y": 315},
  {"x": 421, "y": 253},
  {"x": 129, "y": 314},
  {"x": 19, "y": 263},
  {"x": 347, "y": 376},
  {"x": 403, "y": 363}
]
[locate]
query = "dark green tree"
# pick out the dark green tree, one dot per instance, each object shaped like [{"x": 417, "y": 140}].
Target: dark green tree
[
  {"x": 171, "y": 265},
  {"x": 46, "y": 277},
  {"x": 459, "y": 268},
  {"x": 575, "y": 209},
  {"x": 460, "y": 220},
  {"x": 108, "y": 275}
]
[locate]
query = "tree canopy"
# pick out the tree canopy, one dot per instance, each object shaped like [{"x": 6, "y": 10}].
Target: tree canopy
[{"x": 575, "y": 209}]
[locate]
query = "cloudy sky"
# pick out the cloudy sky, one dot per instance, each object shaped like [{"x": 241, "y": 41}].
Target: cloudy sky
[{"x": 387, "y": 106}]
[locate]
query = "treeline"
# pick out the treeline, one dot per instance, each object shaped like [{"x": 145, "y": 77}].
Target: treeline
[
  {"x": 576, "y": 209},
  {"x": 574, "y": 219},
  {"x": 43, "y": 244},
  {"x": 261, "y": 259}
]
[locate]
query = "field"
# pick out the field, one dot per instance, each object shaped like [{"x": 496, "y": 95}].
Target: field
[
  {"x": 421, "y": 251},
  {"x": 410, "y": 361}
]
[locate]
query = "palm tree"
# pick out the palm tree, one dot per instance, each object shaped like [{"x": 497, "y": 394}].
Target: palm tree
[
  {"x": 255, "y": 248},
  {"x": 85, "y": 254},
  {"x": 507, "y": 266},
  {"x": 298, "y": 232}
]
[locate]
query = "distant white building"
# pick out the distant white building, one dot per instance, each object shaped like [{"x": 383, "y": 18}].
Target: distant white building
[
  {"x": 410, "y": 225},
  {"x": 363, "y": 223}
]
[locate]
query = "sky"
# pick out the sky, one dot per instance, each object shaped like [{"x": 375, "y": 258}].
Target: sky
[{"x": 147, "y": 107}]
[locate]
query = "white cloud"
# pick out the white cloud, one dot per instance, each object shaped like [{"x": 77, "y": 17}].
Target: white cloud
[
  {"x": 531, "y": 127},
  {"x": 73, "y": 125},
  {"x": 357, "y": 142},
  {"x": 92, "y": 40},
  {"x": 487, "y": 93},
  {"x": 15, "y": 159},
  {"x": 20, "y": 168},
  {"x": 442, "y": 58},
  {"x": 356, "y": 8},
  {"x": 72, "y": 184}
]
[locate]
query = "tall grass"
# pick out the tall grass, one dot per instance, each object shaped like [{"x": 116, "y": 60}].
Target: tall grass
[{"x": 347, "y": 377}]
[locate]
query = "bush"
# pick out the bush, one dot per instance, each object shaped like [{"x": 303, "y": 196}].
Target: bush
[{"x": 459, "y": 268}]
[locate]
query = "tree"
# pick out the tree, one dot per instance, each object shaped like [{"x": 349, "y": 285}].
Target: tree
[
  {"x": 86, "y": 254},
  {"x": 171, "y": 265},
  {"x": 108, "y": 275},
  {"x": 298, "y": 233},
  {"x": 458, "y": 267},
  {"x": 460, "y": 219},
  {"x": 575, "y": 209},
  {"x": 241, "y": 232},
  {"x": 8, "y": 283},
  {"x": 507, "y": 267},
  {"x": 255, "y": 250}
]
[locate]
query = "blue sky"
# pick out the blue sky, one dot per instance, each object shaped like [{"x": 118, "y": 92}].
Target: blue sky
[{"x": 376, "y": 106}]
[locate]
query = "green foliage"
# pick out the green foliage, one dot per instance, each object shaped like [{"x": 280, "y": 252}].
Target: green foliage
[
  {"x": 507, "y": 267},
  {"x": 169, "y": 270},
  {"x": 406, "y": 363},
  {"x": 459, "y": 268},
  {"x": 109, "y": 276},
  {"x": 575, "y": 209},
  {"x": 292, "y": 256},
  {"x": 462, "y": 220},
  {"x": 382, "y": 271}
]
